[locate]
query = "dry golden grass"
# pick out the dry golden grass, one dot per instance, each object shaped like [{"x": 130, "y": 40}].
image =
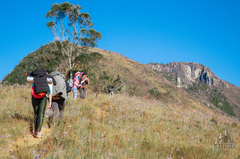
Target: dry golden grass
[{"x": 119, "y": 127}]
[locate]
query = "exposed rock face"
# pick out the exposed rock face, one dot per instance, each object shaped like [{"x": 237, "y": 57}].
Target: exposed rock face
[
  {"x": 189, "y": 72},
  {"x": 200, "y": 82}
]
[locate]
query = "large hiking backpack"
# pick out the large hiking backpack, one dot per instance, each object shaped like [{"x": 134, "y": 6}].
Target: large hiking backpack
[
  {"x": 80, "y": 77},
  {"x": 40, "y": 88},
  {"x": 59, "y": 90}
]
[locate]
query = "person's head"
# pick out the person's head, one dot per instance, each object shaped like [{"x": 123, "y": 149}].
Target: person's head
[
  {"x": 46, "y": 70},
  {"x": 84, "y": 75},
  {"x": 76, "y": 75}
]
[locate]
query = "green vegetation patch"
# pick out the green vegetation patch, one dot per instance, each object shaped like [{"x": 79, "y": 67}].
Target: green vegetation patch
[
  {"x": 47, "y": 56},
  {"x": 219, "y": 101}
]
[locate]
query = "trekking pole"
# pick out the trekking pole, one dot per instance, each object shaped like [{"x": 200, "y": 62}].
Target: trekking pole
[{"x": 70, "y": 104}]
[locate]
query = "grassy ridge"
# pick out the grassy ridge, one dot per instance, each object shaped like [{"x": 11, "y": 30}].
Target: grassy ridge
[
  {"x": 119, "y": 127},
  {"x": 137, "y": 79}
]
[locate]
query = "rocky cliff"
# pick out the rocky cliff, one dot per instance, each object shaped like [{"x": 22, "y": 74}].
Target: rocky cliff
[
  {"x": 189, "y": 73},
  {"x": 199, "y": 81}
]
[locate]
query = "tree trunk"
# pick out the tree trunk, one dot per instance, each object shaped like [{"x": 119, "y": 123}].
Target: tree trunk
[{"x": 69, "y": 59}]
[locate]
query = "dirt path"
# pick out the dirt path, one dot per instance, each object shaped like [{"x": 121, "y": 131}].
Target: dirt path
[
  {"x": 28, "y": 140},
  {"x": 31, "y": 140}
]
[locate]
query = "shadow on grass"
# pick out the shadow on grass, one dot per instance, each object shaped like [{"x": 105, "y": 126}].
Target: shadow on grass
[
  {"x": 25, "y": 118},
  {"x": 30, "y": 120}
]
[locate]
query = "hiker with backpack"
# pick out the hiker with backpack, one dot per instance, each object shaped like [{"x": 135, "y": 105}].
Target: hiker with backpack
[
  {"x": 83, "y": 81},
  {"x": 59, "y": 95},
  {"x": 76, "y": 84},
  {"x": 110, "y": 89},
  {"x": 40, "y": 88}
]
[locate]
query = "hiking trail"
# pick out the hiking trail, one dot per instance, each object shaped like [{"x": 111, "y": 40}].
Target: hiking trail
[{"x": 26, "y": 141}]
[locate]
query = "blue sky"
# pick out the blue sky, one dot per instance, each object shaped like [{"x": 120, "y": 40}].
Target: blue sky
[{"x": 206, "y": 32}]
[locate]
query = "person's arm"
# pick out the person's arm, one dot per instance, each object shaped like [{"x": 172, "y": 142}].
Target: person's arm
[
  {"x": 87, "y": 81},
  {"x": 50, "y": 101},
  {"x": 83, "y": 80},
  {"x": 50, "y": 96}
]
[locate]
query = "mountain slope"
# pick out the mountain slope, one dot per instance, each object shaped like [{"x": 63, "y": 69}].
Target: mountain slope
[
  {"x": 199, "y": 81},
  {"x": 137, "y": 79},
  {"x": 131, "y": 125}
]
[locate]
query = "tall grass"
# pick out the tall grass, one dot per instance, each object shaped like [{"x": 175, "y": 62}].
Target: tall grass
[{"x": 119, "y": 127}]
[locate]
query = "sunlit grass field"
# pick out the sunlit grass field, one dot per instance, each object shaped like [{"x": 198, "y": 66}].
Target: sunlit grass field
[{"x": 118, "y": 127}]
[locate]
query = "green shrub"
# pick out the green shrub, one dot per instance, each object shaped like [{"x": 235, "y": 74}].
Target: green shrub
[
  {"x": 154, "y": 92},
  {"x": 213, "y": 120},
  {"x": 234, "y": 124}
]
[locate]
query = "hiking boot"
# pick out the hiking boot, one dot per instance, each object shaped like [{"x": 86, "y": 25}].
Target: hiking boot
[{"x": 39, "y": 135}]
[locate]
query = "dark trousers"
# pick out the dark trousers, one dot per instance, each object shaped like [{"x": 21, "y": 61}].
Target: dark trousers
[
  {"x": 83, "y": 93},
  {"x": 58, "y": 105},
  {"x": 39, "y": 106}
]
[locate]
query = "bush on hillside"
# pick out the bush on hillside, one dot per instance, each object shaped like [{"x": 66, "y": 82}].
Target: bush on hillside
[
  {"x": 154, "y": 92},
  {"x": 87, "y": 62},
  {"x": 99, "y": 82}
]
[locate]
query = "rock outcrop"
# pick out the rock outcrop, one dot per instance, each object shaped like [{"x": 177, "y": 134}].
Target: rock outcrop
[
  {"x": 200, "y": 82},
  {"x": 188, "y": 73}
]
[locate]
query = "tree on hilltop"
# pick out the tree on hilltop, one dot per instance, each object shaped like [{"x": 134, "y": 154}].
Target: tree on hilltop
[{"x": 74, "y": 28}]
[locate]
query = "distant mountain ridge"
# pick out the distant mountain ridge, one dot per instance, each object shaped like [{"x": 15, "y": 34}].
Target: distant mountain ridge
[
  {"x": 198, "y": 80},
  {"x": 190, "y": 72}
]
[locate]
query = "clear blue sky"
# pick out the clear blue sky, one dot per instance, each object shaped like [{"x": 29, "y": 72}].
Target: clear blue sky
[{"x": 163, "y": 31}]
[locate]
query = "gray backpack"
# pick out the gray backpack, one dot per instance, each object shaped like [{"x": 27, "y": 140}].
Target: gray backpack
[{"x": 59, "y": 90}]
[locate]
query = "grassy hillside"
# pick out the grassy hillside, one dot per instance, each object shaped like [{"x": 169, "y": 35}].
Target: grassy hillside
[
  {"x": 148, "y": 118},
  {"x": 135, "y": 79},
  {"x": 119, "y": 127},
  {"x": 132, "y": 78}
]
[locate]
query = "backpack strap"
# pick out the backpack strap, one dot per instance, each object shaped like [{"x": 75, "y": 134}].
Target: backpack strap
[{"x": 56, "y": 74}]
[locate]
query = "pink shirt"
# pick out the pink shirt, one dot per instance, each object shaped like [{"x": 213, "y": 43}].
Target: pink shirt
[{"x": 76, "y": 83}]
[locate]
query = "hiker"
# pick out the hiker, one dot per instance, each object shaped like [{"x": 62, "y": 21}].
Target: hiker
[
  {"x": 110, "y": 89},
  {"x": 48, "y": 108},
  {"x": 40, "y": 88},
  {"x": 59, "y": 95},
  {"x": 76, "y": 85},
  {"x": 83, "y": 81}
]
